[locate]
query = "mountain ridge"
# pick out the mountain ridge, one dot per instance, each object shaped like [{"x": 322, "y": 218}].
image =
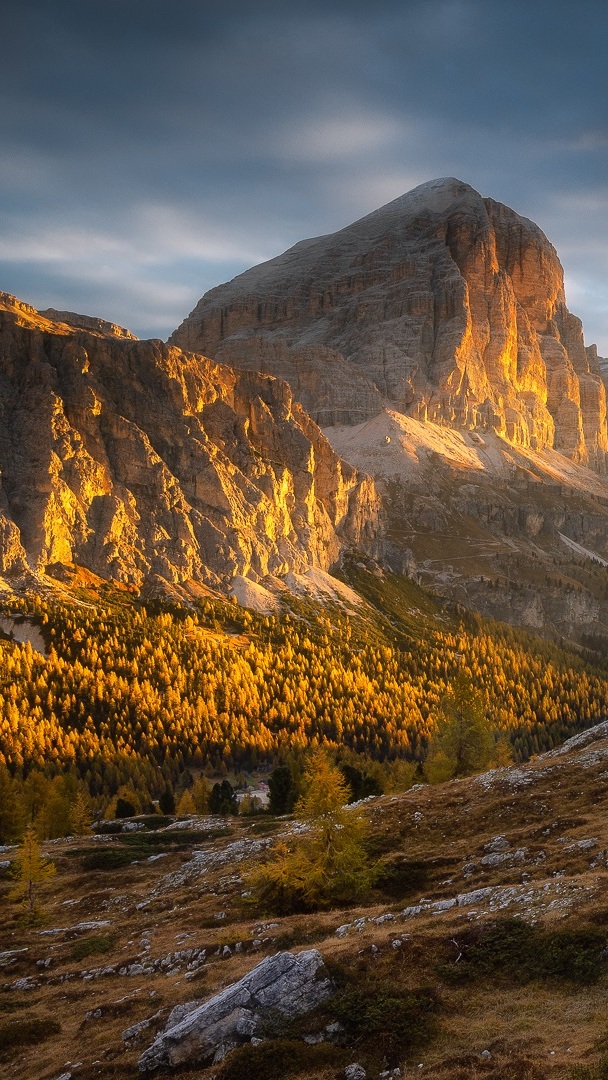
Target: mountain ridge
[{"x": 144, "y": 463}]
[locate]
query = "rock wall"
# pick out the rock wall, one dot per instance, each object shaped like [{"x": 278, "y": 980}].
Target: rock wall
[
  {"x": 442, "y": 305},
  {"x": 139, "y": 461}
]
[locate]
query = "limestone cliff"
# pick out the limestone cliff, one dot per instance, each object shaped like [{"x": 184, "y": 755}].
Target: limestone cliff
[
  {"x": 442, "y": 305},
  {"x": 140, "y": 461}
]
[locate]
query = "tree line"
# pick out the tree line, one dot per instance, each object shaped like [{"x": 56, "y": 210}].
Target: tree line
[{"x": 132, "y": 697}]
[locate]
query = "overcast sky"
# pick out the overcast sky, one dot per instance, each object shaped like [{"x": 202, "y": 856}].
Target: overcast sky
[{"x": 151, "y": 149}]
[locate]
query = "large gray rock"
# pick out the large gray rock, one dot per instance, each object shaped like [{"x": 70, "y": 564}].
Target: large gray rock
[{"x": 286, "y": 984}]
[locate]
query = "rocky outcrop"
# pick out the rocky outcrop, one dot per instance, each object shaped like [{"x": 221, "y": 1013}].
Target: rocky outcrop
[
  {"x": 441, "y": 305},
  {"x": 87, "y": 322},
  {"x": 139, "y": 461},
  {"x": 285, "y": 985}
]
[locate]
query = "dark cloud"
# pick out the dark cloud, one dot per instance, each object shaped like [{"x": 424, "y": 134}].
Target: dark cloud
[{"x": 152, "y": 149}]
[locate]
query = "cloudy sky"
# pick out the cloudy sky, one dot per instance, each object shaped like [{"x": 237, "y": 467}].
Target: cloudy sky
[{"x": 151, "y": 149}]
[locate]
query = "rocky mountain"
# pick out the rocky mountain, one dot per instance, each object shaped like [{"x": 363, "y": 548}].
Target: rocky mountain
[
  {"x": 432, "y": 341},
  {"x": 142, "y": 462},
  {"x": 441, "y": 305}
]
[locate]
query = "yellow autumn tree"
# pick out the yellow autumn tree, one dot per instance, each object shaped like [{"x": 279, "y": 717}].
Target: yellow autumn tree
[
  {"x": 464, "y": 741},
  {"x": 31, "y": 871},
  {"x": 326, "y": 862}
]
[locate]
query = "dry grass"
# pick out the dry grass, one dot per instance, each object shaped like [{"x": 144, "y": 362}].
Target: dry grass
[{"x": 536, "y": 1029}]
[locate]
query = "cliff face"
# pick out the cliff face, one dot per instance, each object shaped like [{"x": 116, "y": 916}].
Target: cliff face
[
  {"x": 441, "y": 305},
  {"x": 138, "y": 461}
]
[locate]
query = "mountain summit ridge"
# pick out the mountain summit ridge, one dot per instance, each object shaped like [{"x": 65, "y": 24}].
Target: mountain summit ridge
[{"x": 442, "y": 305}]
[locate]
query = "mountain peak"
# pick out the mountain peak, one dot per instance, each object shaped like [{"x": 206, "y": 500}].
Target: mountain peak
[{"x": 442, "y": 305}]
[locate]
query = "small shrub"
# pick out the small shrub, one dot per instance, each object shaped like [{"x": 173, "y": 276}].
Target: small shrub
[
  {"x": 521, "y": 953},
  {"x": 124, "y": 808},
  {"x": 590, "y": 1072},
  {"x": 403, "y": 1021},
  {"x": 107, "y": 828},
  {"x": 109, "y": 859},
  {"x": 93, "y": 945},
  {"x": 27, "y": 1032},
  {"x": 279, "y": 1058},
  {"x": 154, "y": 821},
  {"x": 398, "y": 877}
]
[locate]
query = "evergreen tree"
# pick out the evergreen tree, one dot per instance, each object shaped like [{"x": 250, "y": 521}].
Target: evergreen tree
[
  {"x": 166, "y": 801},
  {"x": 281, "y": 790},
  {"x": 80, "y": 816},
  {"x": 222, "y": 799},
  {"x": 186, "y": 805},
  {"x": 200, "y": 796},
  {"x": 9, "y": 807}
]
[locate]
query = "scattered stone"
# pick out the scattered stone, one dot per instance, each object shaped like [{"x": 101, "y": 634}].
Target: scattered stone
[
  {"x": 497, "y": 843},
  {"x": 79, "y": 928},
  {"x": 179, "y": 1013},
  {"x": 10, "y": 956},
  {"x": 500, "y": 858},
  {"x": 133, "y": 1033},
  {"x": 28, "y": 983},
  {"x": 286, "y": 984},
  {"x": 334, "y": 1028},
  {"x": 355, "y": 1072}
]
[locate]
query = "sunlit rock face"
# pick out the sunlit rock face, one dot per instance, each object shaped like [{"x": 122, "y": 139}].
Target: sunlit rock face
[
  {"x": 441, "y": 305},
  {"x": 141, "y": 462}
]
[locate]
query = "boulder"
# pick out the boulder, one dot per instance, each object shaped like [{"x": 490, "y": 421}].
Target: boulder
[{"x": 285, "y": 985}]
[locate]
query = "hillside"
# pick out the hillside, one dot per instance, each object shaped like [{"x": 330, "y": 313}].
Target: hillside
[
  {"x": 164, "y": 919},
  {"x": 129, "y": 685}
]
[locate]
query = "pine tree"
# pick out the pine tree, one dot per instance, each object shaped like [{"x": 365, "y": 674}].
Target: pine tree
[
  {"x": 80, "y": 816},
  {"x": 327, "y": 863},
  {"x": 464, "y": 742},
  {"x": 32, "y": 872},
  {"x": 186, "y": 805},
  {"x": 281, "y": 790}
]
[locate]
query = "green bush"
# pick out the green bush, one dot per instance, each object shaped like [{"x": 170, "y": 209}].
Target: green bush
[
  {"x": 398, "y": 876},
  {"x": 93, "y": 945},
  {"x": 402, "y": 1021},
  {"x": 109, "y": 859},
  {"x": 27, "y": 1032},
  {"x": 519, "y": 952},
  {"x": 279, "y": 1058},
  {"x": 590, "y": 1072}
]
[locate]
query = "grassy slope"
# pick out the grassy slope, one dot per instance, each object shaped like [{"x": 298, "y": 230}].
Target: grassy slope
[{"x": 431, "y": 842}]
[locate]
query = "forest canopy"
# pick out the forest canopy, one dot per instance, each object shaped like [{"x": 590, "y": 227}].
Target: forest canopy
[{"x": 129, "y": 687}]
